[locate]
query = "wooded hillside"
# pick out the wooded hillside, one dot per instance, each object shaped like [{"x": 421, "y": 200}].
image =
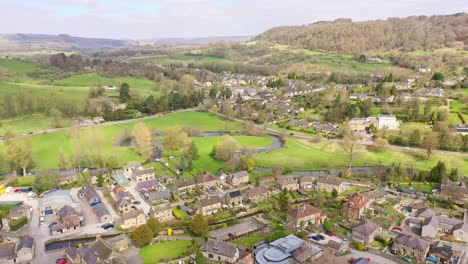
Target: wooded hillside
[{"x": 345, "y": 36}]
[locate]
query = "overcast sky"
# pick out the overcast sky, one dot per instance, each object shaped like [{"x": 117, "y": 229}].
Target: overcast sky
[{"x": 146, "y": 19}]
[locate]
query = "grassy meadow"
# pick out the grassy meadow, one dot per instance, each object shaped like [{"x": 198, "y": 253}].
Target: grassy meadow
[
  {"x": 165, "y": 250},
  {"x": 303, "y": 155}
]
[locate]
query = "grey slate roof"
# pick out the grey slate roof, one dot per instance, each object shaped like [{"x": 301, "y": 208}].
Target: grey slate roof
[
  {"x": 210, "y": 200},
  {"x": 413, "y": 242},
  {"x": 154, "y": 196},
  {"x": 100, "y": 210},
  {"x": 367, "y": 227},
  {"x": 101, "y": 248},
  {"x": 132, "y": 214},
  {"x": 25, "y": 242},
  {"x": 7, "y": 251},
  {"x": 221, "y": 248},
  {"x": 143, "y": 172},
  {"x": 235, "y": 194}
]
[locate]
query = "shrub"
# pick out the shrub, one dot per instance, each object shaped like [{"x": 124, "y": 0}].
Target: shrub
[
  {"x": 142, "y": 235},
  {"x": 16, "y": 224}
]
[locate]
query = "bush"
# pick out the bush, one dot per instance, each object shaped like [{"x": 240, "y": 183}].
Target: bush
[
  {"x": 359, "y": 246},
  {"x": 16, "y": 224},
  {"x": 142, "y": 235}
]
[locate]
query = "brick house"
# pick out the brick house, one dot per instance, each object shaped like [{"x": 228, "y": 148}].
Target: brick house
[{"x": 355, "y": 207}]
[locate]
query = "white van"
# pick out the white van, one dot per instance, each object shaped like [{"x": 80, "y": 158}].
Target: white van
[{"x": 41, "y": 220}]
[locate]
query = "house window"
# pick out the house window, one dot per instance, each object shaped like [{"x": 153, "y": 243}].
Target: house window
[{"x": 210, "y": 256}]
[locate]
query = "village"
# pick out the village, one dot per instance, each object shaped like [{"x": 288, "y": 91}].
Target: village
[{"x": 284, "y": 218}]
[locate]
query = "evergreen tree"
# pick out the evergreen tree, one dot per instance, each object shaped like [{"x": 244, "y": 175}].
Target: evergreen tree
[{"x": 124, "y": 92}]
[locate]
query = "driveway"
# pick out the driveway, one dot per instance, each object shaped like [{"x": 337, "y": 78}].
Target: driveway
[
  {"x": 143, "y": 204},
  {"x": 375, "y": 259}
]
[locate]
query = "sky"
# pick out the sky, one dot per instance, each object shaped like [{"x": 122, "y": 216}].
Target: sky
[{"x": 150, "y": 19}]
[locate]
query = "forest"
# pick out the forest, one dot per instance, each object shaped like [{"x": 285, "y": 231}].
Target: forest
[{"x": 345, "y": 36}]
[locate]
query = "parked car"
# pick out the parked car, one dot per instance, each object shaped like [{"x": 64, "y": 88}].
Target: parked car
[
  {"x": 107, "y": 226},
  {"x": 397, "y": 229},
  {"x": 136, "y": 202},
  {"x": 321, "y": 237},
  {"x": 344, "y": 240},
  {"x": 94, "y": 203},
  {"x": 61, "y": 261},
  {"x": 16, "y": 190},
  {"x": 329, "y": 233},
  {"x": 316, "y": 238},
  {"x": 351, "y": 260},
  {"x": 41, "y": 220},
  {"x": 407, "y": 259},
  {"x": 52, "y": 224}
]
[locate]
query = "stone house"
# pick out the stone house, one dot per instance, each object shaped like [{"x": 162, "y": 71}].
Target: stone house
[
  {"x": 67, "y": 176},
  {"x": 129, "y": 169},
  {"x": 123, "y": 205},
  {"x": 158, "y": 197},
  {"x": 102, "y": 213},
  {"x": 8, "y": 253},
  {"x": 234, "y": 199},
  {"x": 69, "y": 220},
  {"x": 97, "y": 252},
  {"x": 329, "y": 183},
  {"x": 365, "y": 232},
  {"x": 143, "y": 175},
  {"x": 210, "y": 205},
  {"x": 119, "y": 243},
  {"x": 411, "y": 246},
  {"x": 162, "y": 212},
  {"x": 186, "y": 186},
  {"x": 220, "y": 252},
  {"x": 287, "y": 182},
  {"x": 306, "y": 183},
  {"x": 150, "y": 186},
  {"x": 432, "y": 225},
  {"x": 208, "y": 181},
  {"x": 305, "y": 215},
  {"x": 257, "y": 194},
  {"x": 457, "y": 192},
  {"x": 132, "y": 219},
  {"x": 89, "y": 193},
  {"x": 25, "y": 249},
  {"x": 166, "y": 179},
  {"x": 238, "y": 178},
  {"x": 355, "y": 207}
]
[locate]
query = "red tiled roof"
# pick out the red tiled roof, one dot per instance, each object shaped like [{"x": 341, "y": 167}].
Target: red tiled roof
[
  {"x": 303, "y": 211},
  {"x": 357, "y": 201}
]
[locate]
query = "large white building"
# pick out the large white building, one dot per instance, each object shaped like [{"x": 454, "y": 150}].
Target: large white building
[{"x": 387, "y": 122}]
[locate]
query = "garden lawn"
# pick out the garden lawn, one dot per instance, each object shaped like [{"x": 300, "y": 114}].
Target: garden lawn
[
  {"x": 24, "y": 181},
  {"x": 248, "y": 241},
  {"x": 168, "y": 250},
  {"x": 31, "y": 123},
  {"x": 424, "y": 187},
  {"x": 303, "y": 155}
]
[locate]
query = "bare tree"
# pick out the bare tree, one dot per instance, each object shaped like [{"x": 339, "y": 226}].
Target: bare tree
[
  {"x": 431, "y": 142},
  {"x": 348, "y": 144},
  {"x": 142, "y": 136},
  {"x": 18, "y": 153}
]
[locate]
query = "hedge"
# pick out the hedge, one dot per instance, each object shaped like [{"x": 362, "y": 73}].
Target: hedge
[{"x": 16, "y": 224}]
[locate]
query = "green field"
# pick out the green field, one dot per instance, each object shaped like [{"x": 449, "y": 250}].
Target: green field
[
  {"x": 31, "y": 123},
  {"x": 165, "y": 250},
  {"x": 46, "y": 146},
  {"x": 17, "y": 67},
  {"x": 303, "y": 155},
  {"x": 424, "y": 187},
  {"x": 93, "y": 79}
]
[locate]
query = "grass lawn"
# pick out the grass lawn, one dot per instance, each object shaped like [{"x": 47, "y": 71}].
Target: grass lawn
[
  {"x": 22, "y": 181},
  {"x": 94, "y": 79},
  {"x": 17, "y": 67},
  {"x": 31, "y": 123},
  {"x": 248, "y": 241},
  {"x": 165, "y": 250},
  {"x": 424, "y": 187},
  {"x": 304, "y": 155},
  {"x": 46, "y": 147}
]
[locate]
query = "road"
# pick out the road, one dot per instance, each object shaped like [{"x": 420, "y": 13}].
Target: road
[{"x": 375, "y": 259}]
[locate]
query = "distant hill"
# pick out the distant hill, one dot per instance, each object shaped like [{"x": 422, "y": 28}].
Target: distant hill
[
  {"x": 345, "y": 36},
  {"x": 199, "y": 41},
  {"x": 62, "y": 42}
]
